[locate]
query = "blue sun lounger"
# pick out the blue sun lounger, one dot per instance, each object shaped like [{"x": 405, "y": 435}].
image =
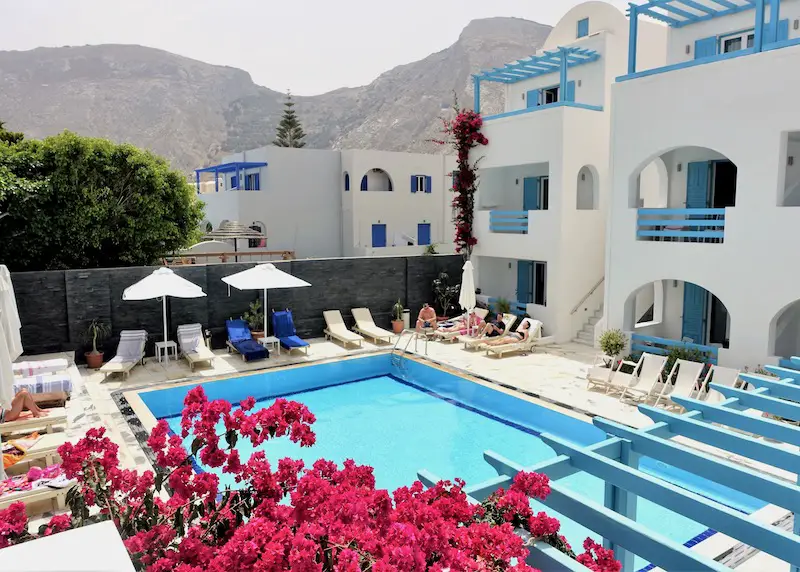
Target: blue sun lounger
[
  {"x": 283, "y": 329},
  {"x": 240, "y": 340}
]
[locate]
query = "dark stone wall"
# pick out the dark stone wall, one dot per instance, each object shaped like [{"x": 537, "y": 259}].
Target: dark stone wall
[{"x": 55, "y": 307}]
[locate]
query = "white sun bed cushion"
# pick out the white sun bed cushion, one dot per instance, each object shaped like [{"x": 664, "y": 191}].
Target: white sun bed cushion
[
  {"x": 44, "y": 384},
  {"x": 55, "y": 416},
  {"x": 366, "y": 324},
  {"x": 336, "y": 327}
]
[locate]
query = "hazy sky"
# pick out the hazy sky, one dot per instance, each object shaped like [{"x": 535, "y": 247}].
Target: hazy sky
[{"x": 308, "y": 46}]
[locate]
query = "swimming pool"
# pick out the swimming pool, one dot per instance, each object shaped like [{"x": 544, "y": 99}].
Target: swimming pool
[{"x": 421, "y": 417}]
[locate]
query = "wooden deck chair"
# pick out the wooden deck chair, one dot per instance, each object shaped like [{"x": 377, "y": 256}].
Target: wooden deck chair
[
  {"x": 647, "y": 379},
  {"x": 471, "y": 343},
  {"x": 683, "y": 380}
]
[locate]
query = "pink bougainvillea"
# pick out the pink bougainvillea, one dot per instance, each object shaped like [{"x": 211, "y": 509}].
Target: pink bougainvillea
[
  {"x": 463, "y": 133},
  {"x": 320, "y": 518}
]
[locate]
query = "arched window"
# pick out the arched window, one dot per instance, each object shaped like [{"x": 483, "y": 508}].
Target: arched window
[
  {"x": 376, "y": 180},
  {"x": 587, "y": 198},
  {"x": 346, "y": 181}
]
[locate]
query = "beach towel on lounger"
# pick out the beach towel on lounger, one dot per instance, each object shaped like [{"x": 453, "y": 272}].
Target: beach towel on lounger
[
  {"x": 14, "y": 450},
  {"x": 242, "y": 340},
  {"x": 31, "y": 368},
  {"x": 283, "y": 329},
  {"x": 44, "y": 384}
]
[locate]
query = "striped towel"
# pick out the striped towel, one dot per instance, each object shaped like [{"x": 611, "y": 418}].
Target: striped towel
[
  {"x": 44, "y": 384},
  {"x": 31, "y": 368}
]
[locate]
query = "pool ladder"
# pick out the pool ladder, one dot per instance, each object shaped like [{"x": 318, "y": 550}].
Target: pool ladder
[{"x": 399, "y": 354}]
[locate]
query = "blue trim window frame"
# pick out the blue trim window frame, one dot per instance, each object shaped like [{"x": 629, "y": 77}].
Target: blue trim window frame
[
  {"x": 421, "y": 184},
  {"x": 582, "y": 28},
  {"x": 252, "y": 182}
]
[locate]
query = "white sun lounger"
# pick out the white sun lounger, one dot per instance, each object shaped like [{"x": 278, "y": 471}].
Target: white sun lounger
[
  {"x": 56, "y": 492},
  {"x": 645, "y": 379},
  {"x": 471, "y": 343},
  {"x": 40, "y": 367},
  {"x": 534, "y": 339},
  {"x": 365, "y": 326},
  {"x": 336, "y": 330},
  {"x": 130, "y": 351},
  {"x": 453, "y": 336},
  {"x": 722, "y": 376},
  {"x": 45, "y": 448},
  {"x": 686, "y": 375},
  {"x": 55, "y": 416},
  {"x": 193, "y": 345}
]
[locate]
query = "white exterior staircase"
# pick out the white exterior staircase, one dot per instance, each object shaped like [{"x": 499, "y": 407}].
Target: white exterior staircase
[{"x": 586, "y": 335}]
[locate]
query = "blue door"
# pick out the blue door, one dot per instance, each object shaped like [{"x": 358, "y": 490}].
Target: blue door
[
  {"x": 695, "y": 307},
  {"x": 424, "y": 233},
  {"x": 530, "y": 194},
  {"x": 570, "y": 95},
  {"x": 378, "y": 235},
  {"x": 524, "y": 293},
  {"x": 697, "y": 178}
]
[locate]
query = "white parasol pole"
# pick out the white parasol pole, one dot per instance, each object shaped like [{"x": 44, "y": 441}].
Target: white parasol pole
[
  {"x": 266, "y": 333},
  {"x": 164, "y": 306}
]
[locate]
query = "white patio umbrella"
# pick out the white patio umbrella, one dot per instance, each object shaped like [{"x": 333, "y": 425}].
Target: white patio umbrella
[
  {"x": 466, "y": 297},
  {"x": 10, "y": 343},
  {"x": 160, "y": 284},
  {"x": 264, "y": 277}
]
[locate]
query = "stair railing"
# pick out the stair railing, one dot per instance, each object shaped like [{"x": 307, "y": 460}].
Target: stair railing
[{"x": 586, "y": 297}]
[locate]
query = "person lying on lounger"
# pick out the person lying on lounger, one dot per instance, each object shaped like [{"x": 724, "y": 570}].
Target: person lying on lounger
[
  {"x": 520, "y": 335},
  {"x": 426, "y": 318},
  {"x": 463, "y": 323},
  {"x": 493, "y": 328},
  {"x": 22, "y": 400}
]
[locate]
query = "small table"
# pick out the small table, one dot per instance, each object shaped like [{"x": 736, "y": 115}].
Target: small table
[
  {"x": 163, "y": 350},
  {"x": 272, "y": 343}
]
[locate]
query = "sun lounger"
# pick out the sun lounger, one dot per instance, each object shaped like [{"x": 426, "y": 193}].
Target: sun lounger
[
  {"x": 453, "y": 336},
  {"x": 336, "y": 330},
  {"x": 686, "y": 376},
  {"x": 534, "y": 338},
  {"x": 283, "y": 329},
  {"x": 365, "y": 326},
  {"x": 130, "y": 351},
  {"x": 471, "y": 343},
  {"x": 27, "y": 422},
  {"x": 44, "y": 384},
  {"x": 726, "y": 376},
  {"x": 241, "y": 341},
  {"x": 645, "y": 379},
  {"x": 193, "y": 345},
  {"x": 32, "y": 448},
  {"x": 34, "y": 368},
  {"x": 45, "y": 484}
]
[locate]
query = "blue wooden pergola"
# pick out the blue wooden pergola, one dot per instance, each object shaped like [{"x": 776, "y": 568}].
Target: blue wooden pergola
[
  {"x": 728, "y": 426},
  {"x": 558, "y": 60},
  {"x": 238, "y": 167}
]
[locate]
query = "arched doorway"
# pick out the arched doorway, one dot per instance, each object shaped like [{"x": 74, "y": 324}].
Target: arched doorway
[
  {"x": 376, "y": 180},
  {"x": 784, "y": 338}
]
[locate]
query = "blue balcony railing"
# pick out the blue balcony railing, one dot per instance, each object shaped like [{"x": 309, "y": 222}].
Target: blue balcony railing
[
  {"x": 681, "y": 225},
  {"x": 509, "y": 222},
  {"x": 662, "y": 346}
]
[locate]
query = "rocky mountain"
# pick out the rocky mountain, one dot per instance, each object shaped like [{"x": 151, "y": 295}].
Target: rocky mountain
[{"x": 193, "y": 112}]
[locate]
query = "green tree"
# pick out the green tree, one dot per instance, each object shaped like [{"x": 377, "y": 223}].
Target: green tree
[
  {"x": 79, "y": 202},
  {"x": 10, "y": 137},
  {"x": 290, "y": 133}
]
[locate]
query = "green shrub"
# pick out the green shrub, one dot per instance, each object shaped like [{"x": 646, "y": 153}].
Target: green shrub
[
  {"x": 629, "y": 368},
  {"x": 687, "y": 354},
  {"x": 502, "y": 306},
  {"x": 612, "y": 342}
]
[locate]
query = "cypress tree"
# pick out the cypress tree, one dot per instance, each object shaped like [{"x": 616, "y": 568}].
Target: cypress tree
[{"x": 290, "y": 133}]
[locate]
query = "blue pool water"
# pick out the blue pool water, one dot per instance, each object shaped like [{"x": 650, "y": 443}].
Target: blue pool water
[{"x": 436, "y": 421}]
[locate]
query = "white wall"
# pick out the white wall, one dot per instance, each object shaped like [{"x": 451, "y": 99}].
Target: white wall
[
  {"x": 684, "y": 36},
  {"x": 749, "y": 270},
  {"x": 791, "y": 196}
]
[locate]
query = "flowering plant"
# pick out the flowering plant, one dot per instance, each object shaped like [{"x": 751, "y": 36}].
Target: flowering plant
[
  {"x": 463, "y": 133},
  {"x": 322, "y": 518}
]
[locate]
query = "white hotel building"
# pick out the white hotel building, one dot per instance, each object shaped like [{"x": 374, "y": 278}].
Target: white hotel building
[
  {"x": 701, "y": 254},
  {"x": 545, "y": 187},
  {"x": 322, "y": 203}
]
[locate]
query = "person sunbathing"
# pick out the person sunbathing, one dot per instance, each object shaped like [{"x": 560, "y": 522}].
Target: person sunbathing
[
  {"x": 426, "y": 318},
  {"x": 493, "y": 328},
  {"x": 22, "y": 400},
  {"x": 520, "y": 335},
  {"x": 462, "y": 323}
]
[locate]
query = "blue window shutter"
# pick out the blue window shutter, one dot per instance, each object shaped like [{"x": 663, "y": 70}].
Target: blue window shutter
[
  {"x": 532, "y": 98},
  {"x": 423, "y": 234},
  {"x": 697, "y": 177},
  {"x": 347, "y": 181},
  {"x": 234, "y": 182},
  {"x": 364, "y": 183},
  {"x": 524, "y": 293},
  {"x": 783, "y": 30},
  {"x": 695, "y": 302},
  {"x": 570, "y": 96},
  {"x": 530, "y": 194},
  {"x": 428, "y": 184},
  {"x": 413, "y": 183},
  {"x": 705, "y": 47},
  {"x": 583, "y": 28},
  {"x": 258, "y": 182},
  {"x": 378, "y": 235}
]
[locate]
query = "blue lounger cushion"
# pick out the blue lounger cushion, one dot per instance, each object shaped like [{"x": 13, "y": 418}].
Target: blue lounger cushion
[
  {"x": 240, "y": 338},
  {"x": 284, "y": 330}
]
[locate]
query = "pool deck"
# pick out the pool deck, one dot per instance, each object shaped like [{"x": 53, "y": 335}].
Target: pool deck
[{"x": 554, "y": 374}]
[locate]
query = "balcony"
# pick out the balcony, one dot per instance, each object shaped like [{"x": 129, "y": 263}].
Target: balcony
[
  {"x": 508, "y": 222},
  {"x": 681, "y": 225}
]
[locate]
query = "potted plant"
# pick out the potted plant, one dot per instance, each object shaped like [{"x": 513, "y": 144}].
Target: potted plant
[
  {"x": 502, "y": 306},
  {"x": 397, "y": 317},
  {"x": 96, "y": 332},
  {"x": 612, "y": 342},
  {"x": 254, "y": 316},
  {"x": 445, "y": 292}
]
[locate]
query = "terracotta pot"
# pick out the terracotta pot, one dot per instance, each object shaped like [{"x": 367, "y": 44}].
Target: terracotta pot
[
  {"x": 397, "y": 326},
  {"x": 257, "y": 334},
  {"x": 94, "y": 361}
]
